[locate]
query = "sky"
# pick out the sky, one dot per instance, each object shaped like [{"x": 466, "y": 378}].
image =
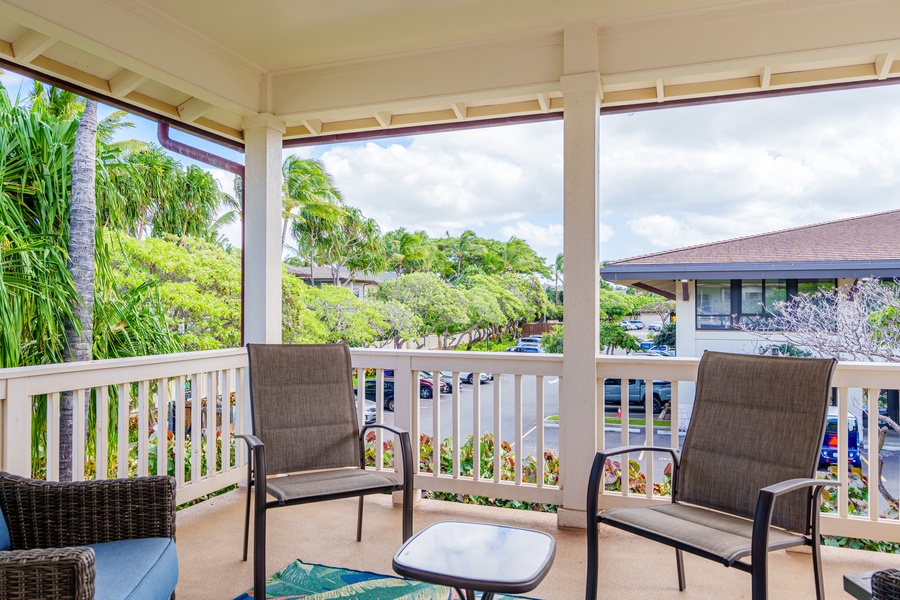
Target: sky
[{"x": 668, "y": 178}]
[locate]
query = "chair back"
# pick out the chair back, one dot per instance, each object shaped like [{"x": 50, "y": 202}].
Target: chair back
[
  {"x": 757, "y": 420},
  {"x": 302, "y": 404}
]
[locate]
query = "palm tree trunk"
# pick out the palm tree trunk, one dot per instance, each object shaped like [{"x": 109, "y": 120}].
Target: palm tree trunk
[{"x": 82, "y": 216}]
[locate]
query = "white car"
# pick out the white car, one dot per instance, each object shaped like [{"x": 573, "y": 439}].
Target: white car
[{"x": 469, "y": 377}]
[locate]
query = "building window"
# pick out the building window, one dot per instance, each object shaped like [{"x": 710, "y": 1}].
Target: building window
[{"x": 748, "y": 303}]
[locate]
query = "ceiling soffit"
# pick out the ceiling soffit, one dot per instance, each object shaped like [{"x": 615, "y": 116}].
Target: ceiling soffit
[{"x": 140, "y": 57}]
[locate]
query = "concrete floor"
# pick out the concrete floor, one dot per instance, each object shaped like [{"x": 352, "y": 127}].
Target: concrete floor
[{"x": 210, "y": 536}]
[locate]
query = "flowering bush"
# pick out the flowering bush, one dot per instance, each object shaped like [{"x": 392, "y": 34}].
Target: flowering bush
[{"x": 467, "y": 458}]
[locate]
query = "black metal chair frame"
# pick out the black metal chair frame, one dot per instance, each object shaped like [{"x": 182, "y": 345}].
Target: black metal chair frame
[
  {"x": 256, "y": 472},
  {"x": 762, "y": 521}
]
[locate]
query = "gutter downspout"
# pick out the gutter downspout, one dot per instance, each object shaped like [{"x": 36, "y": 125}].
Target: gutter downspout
[{"x": 204, "y": 156}]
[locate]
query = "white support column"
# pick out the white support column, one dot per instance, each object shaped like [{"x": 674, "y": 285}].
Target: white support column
[
  {"x": 581, "y": 88},
  {"x": 262, "y": 227}
]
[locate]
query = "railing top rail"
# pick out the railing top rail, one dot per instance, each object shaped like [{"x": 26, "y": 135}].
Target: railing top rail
[{"x": 42, "y": 379}]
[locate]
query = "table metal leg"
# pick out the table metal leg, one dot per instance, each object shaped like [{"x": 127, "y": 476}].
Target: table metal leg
[{"x": 471, "y": 594}]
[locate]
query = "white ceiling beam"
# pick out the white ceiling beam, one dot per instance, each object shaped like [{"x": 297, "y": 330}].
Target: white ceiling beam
[
  {"x": 883, "y": 64},
  {"x": 544, "y": 101},
  {"x": 765, "y": 77},
  {"x": 30, "y": 45},
  {"x": 459, "y": 109},
  {"x": 193, "y": 109},
  {"x": 384, "y": 118},
  {"x": 124, "y": 82},
  {"x": 314, "y": 125}
]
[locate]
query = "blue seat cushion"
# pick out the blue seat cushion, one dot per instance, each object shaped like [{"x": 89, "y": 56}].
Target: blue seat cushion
[
  {"x": 4, "y": 533},
  {"x": 143, "y": 569}
]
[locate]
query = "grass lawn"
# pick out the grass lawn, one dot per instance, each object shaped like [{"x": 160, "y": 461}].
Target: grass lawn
[{"x": 618, "y": 421}]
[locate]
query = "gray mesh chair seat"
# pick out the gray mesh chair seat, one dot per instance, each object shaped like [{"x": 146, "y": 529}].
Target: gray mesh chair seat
[
  {"x": 711, "y": 534},
  {"x": 330, "y": 483},
  {"x": 306, "y": 444},
  {"x": 744, "y": 483}
]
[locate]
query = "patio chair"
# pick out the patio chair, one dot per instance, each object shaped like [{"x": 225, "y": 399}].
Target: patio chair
[
  {"x": 754, "y": 438},
  {"x": 305, "y": 430},
  {"x": 106, "y": 539},
  {"x": 886, "y": 584}
]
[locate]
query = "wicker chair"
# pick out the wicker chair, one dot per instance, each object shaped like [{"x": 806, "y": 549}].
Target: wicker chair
[
  {"x": 886, "y": 584},
  {"x": 86, "y": 539},
  {"x": 754, "y": 438},
  {"x": 305, "y": 428}
]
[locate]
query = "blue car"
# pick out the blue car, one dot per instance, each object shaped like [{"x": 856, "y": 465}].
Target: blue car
[{"x": 828, "y": 456}]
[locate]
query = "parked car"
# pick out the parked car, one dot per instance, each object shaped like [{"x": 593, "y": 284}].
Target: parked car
[
  {"x": 529, "y": 341},
  {"x": 828, "y": 456},
  {"x": 446, "y": 382},
  {"x": 388, "y": 392},
  {"x": 628, "y": 325},
  {"x": 662, "y": 392},
  {"x": 469, "y": 377},
  {"x": 531, "y": 349},
  {"x": 653, "y": 327},
  {"x": 637, "y": 323},
  {"x": 368, "y": 412}
]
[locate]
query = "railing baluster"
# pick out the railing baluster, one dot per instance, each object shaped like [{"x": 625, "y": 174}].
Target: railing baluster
[
  {"x": 379, "y": 418},
  {"x": 842, "y": 468},
  {"x": 498, "y": 450},
  {"x": 454, "y": 415},
  {"x": 101, "y": 445},
  {"x": 123, "y": 430},
  {"x": 539, "y": 430},
  {"x": 476, "y": 426},
  {"x": 435, "y": 422},
  {"x": 143, "y": 429},
  {"x": 517, "y": 418},
  {"x": 196, "y": 424},
  {"x": 212, "y": 400},
  {"x": 625, "y": 435},
  {"x": 648, "y": 432},
  {"x": 227, "y": 375},
  {"x": 178, "y": 426},
  {"x": 872, "y": 444},
  {"x": 52, "y": 448},
  {"x": 79, "y": 425},
  {"x": 162, "y": 426}
]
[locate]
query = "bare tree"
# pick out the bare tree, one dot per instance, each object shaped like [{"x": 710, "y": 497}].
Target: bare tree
[{"x": 860, "y": 323}]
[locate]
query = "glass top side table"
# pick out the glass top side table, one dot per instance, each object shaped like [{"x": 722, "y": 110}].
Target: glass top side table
[{"x": 479, "y": 557}]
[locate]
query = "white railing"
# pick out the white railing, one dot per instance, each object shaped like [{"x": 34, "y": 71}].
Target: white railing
[
  {"x": 164, "y": 411},
  {"x": 162, "y": 391},
  {"x": 518, "y": 387}
]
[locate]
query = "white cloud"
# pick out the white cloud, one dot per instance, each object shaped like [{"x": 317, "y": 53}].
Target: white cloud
[{"x": 485, "y": 180}]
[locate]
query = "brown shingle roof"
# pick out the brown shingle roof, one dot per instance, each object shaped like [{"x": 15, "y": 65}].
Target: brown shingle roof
[{"x": 866, "y": 238}]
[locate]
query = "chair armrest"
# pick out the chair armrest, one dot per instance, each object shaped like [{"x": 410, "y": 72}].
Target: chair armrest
[
  {"x": 92, "y": 512},
  {"x": 406, "y": 457},
  {"x": 765, "y": 506},
  {"x": 676, "y": 454},
  {"x": 47, "y": 573},
  {"x": 252, "y": 441},
  {"x": 391, "y": 428}
]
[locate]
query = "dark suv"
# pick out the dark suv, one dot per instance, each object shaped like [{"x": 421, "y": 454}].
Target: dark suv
[
  {"x": 612, "y": 392},
  {"x": 426, "y": 390}
]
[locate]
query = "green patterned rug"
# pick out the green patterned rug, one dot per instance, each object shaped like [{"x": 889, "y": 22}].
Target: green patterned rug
[{"x": 318, "y": 582}]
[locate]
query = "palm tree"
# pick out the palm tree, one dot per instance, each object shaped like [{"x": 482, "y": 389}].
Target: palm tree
[
  {"x": 305, "y": 183},
  {"x": 82, "y": 218},
  {"x": 405, "y": 250},
  {"x": 355, "y": 238},
  {"x": 463, "y": 246},
  {"x": 557, "y": 270}
]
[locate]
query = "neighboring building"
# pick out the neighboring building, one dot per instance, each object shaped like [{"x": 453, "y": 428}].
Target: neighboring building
[
  {"x": 723, "y": 288},
  {"x": 361, "y": 285}
]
